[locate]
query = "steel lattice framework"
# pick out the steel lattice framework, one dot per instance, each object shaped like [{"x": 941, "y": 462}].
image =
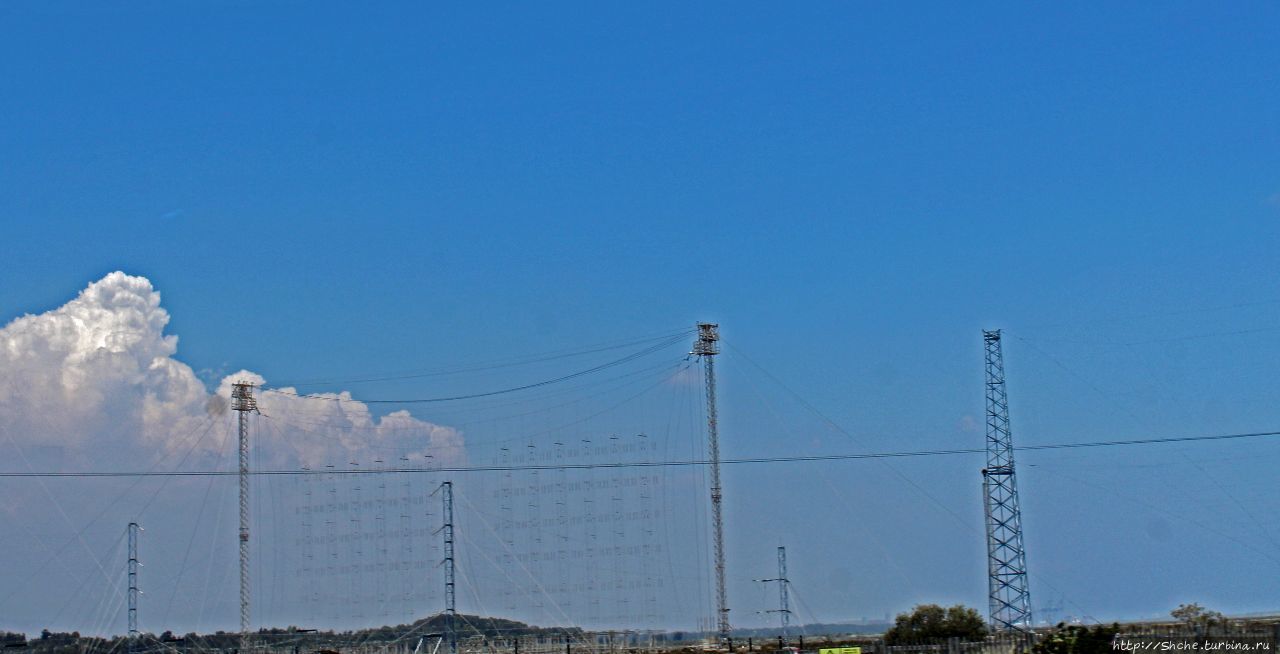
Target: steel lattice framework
[
  {"x": 1006, "y": 556},
  {"x": 242, "y": 401},
  {"x": 706, "y": 348},
  {"x": 450, "y": 608},
  {"x": 133, "y": 585},
  {"x": 784, "y": 598}
]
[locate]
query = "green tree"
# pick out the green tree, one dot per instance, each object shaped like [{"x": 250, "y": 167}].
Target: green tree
[
  {"x": 932, "y": 622},
  {"x": 1078, "y": 640},
  {"x": 1197, "y": 618}
]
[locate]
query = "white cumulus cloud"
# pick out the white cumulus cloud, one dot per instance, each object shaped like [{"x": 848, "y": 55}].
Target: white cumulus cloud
[{"x": 98, "y": 376}]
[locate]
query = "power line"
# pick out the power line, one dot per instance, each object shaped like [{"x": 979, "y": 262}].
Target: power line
[
  {"x": 634, "y": 376},
  {"x": 546, "y": 382},
  {"x": 492, "y": 365},
  {"x": 841, "y": 430},
  {"x": 654, "y": 464}
]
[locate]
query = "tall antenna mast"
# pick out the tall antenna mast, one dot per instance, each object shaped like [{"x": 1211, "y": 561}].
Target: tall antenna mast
[
  {"x": 1006, "y": 557},
  {"x": 450, "y": 608},
  {"x": 784, "y": 598},
  {"x": 243, "y": 402},
  {"x": 706, "y": 348},
  {"x": 133, "y": 586}
]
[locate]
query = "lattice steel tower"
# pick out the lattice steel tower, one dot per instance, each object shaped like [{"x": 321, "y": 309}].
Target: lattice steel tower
[
  {"x": 784, "y": 599},
  {"x": 133, "y": 586},
  {"x": 242, "y": 401},
  {"x": 450, "y": 608},
  {"x": 706, "y": 348},
  {"x": 1006, "y": 557}
]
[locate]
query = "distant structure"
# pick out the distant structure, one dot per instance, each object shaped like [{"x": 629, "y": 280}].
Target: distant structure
[
  {"x": 242, "y": 401},
  {"x": 1051, "y": 610},
  {"x": 784, "y": 599},
  {"x": 133, "y": 586},
  {"x": 450, "y": 608},
  {"x": 706, "y": 348},
  {"x": 1006, "y": 557}
]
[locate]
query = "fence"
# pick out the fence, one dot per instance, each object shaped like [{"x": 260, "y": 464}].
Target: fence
[{"x": 999, "y": 644}]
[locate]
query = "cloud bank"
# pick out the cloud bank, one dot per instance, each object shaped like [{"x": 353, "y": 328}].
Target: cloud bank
[{"x": 95, "y": 381}]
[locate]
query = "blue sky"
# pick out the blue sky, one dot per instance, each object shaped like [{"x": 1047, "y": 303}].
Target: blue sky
[{"x": 852, "y": 190}]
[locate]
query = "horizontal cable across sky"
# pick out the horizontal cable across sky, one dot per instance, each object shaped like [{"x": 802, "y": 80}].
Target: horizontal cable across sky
[
  {"x": 652, "y": 464},
  {"x": 471, "y": 396}
]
